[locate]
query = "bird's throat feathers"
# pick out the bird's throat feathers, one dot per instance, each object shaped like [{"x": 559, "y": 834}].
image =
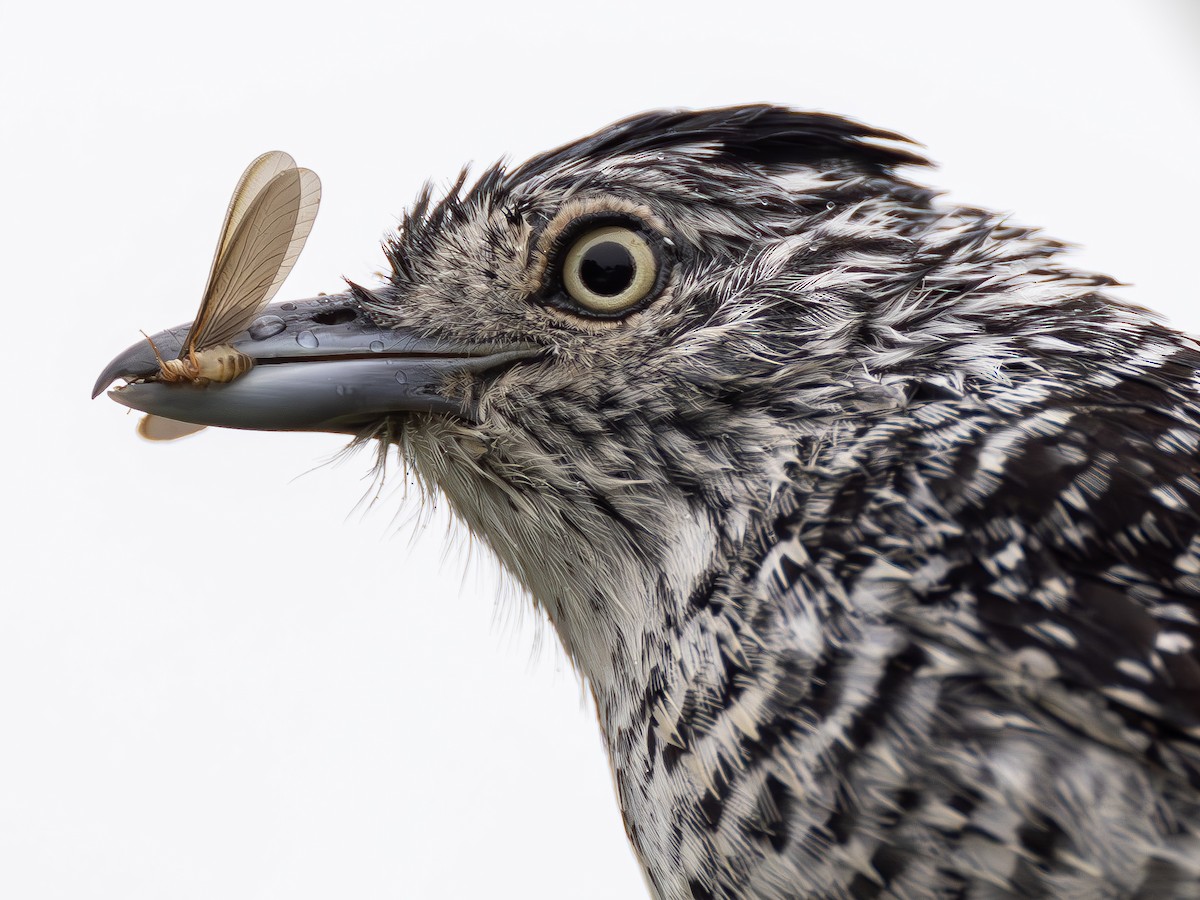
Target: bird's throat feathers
[{"x": 610, "y": 553}]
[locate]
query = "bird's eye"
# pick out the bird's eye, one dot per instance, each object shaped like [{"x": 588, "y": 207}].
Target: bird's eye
[{"x": 608, "y": 270}]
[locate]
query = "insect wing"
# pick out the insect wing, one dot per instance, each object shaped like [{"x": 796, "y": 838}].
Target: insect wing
[
  {"x": 257, "y": 257},
  {"x": 160, "y": 428},
  {"x": 253, "y": 180}
]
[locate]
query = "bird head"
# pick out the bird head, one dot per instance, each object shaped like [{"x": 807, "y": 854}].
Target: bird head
[
  {"x": 655, "y": 267},
  {"x": 605, "y": 357}
]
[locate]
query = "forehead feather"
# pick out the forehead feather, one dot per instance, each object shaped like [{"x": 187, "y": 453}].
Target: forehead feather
[
  {"x": 714, "y": 156},
  {"x": 769, "y": 137}
]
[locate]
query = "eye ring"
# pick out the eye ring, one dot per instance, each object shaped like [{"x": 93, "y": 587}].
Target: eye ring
[{"x": 609, "y": 269}]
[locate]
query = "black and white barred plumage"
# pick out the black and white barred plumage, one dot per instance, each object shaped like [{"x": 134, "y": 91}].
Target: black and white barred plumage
[
  {"x": 876, "y": 537},
  {"x": 875, "y": 533}
]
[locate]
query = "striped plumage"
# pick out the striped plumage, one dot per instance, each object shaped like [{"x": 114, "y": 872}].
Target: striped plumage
[{"x": 875, "y": 536}]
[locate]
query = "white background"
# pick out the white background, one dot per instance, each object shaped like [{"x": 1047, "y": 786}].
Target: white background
[{"x": 221, "y": 678}]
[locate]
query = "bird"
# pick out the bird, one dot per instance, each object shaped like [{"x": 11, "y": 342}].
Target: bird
[{"x": 870, "y": 523}]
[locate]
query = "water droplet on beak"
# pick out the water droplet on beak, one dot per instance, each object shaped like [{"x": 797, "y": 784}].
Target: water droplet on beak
[{"x": 266, "y": 326}]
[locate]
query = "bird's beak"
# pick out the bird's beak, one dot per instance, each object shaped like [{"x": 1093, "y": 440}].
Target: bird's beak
[{"x": 319, "y": 365}]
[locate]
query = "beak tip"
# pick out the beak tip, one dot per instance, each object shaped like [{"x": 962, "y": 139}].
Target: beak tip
[
  {"x": 101, "y": 383},
  {"x": 137, "y": 360},
  {"x": 118, "y": 367}
]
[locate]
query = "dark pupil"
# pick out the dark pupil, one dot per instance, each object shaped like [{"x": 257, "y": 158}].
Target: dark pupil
[{"x": 606, "y": 268}]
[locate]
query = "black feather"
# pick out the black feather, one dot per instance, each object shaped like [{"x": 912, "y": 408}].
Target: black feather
[{"x": 759, "y": 134}]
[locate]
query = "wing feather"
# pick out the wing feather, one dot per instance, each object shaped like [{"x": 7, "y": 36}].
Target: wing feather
[{"x": 1056, "y": 554}]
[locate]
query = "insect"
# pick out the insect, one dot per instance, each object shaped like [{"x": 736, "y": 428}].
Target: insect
[{"x": 268, "y": 220}]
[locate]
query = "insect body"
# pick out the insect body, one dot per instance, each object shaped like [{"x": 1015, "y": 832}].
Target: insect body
[
  {"x": 223, "y": 363},
  {"x": 268, "y": 220}
]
